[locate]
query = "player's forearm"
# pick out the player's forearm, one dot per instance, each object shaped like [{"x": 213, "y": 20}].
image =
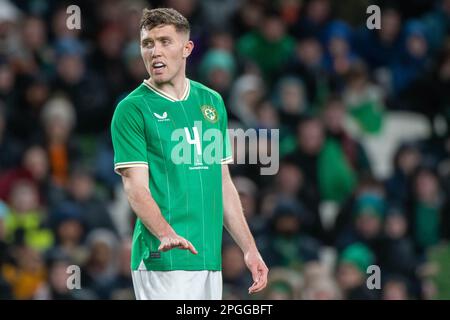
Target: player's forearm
[
  {"x": 148, "y": 211},
  {"x": 234, "y": 219}
]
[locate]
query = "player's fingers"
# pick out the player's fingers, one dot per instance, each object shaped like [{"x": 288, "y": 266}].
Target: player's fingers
[
  {"x": 186, "y": 244},
  {"x": 261, "y": 281},
  {"x": 264, "y": 274},
  {"x": 257, "y": 286},
  {"x": 191, "y": 247},
  {"x": 180, "y": 243},
  {"x": 168, "y": 244},
  {"x": 255, "y": 277},
  {"x": 163, "y": 245},
  {"x": 261, "y": 284},
  {"x": 176, "y": 243}
]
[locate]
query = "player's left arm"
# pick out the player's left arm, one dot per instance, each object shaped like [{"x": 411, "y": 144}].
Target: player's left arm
[{"x": 236, "y": 224}]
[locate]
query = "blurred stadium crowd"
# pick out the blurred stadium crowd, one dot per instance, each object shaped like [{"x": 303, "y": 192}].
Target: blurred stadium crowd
[{"x": 364, "y": 120}]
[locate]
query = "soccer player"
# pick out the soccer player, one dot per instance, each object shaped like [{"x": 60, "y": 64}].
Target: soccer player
[{"x": 181, "y": 206}]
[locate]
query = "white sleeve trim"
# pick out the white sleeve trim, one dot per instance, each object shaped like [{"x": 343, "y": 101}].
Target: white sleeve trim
[
  {"x": 121, "y": 165},
  {"x": 227, "y": 160}
]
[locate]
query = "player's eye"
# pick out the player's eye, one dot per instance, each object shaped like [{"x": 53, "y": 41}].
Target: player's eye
[
  {"x": 147, "y": 44},
  {"x": 166, "y": 42}
]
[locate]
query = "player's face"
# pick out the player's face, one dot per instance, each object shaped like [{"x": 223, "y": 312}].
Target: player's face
[{"x": 164, "y": 51}]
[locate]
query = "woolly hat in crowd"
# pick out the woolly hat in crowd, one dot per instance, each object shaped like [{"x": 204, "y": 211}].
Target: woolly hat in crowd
[
  {"x": 217, "y": 59},
  {"x": 371, "y": 204},
  {"x": 358, "y": 255}
]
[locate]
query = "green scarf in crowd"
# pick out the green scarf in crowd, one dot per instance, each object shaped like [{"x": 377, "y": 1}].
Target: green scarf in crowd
[
  {"x": 427, "y": 225},
  {"x": 337, "y": 178},
  {"x": 368, "y": 115}
]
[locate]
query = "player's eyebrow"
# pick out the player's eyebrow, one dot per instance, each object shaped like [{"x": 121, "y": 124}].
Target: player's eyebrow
[{"x": 161, "y": 38}]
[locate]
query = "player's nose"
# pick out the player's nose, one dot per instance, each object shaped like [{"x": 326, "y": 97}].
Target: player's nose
[{"x": 156, "y": 51}]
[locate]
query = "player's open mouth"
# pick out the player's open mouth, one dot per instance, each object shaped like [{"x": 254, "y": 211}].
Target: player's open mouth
[{"x": 158, "y": 66}]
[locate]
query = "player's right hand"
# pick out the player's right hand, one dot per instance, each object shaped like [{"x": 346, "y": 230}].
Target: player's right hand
[{"x": 175, "y": 241}]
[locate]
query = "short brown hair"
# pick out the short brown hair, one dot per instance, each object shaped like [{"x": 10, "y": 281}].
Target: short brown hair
[{"x": 164, "y": 16}]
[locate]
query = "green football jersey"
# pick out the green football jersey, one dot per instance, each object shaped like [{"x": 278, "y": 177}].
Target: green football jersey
[{"x": 183, "y": 143}]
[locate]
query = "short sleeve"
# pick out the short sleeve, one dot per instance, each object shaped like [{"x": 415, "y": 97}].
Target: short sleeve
[
  {"x": 226, "y": 152},
  {"x": 128, "y": 137}
]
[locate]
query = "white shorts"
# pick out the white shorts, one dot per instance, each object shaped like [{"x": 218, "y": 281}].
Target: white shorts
[{"x": 177, "y": 285}]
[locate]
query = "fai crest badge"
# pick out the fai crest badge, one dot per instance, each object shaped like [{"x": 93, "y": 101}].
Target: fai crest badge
[{"x": 210, "y": 113}]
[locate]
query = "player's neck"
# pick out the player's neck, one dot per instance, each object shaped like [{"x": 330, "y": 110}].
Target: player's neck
[{"x": 175, "y": 88}]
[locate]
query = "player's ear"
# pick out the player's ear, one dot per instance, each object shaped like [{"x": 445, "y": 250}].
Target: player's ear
[{"x": 188, "y": 47}]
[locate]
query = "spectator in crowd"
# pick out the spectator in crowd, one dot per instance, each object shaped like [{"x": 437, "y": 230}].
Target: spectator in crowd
[
  {"x": 307, "y": 62},
  {"x": 372, "y": 196},
  {"x": 101, "y": 268},
  {"x": 406, "y": 161},
  {"x": 318, "y": 283},
  {"x": 86, "y": 90},
  {"x": 315, "y": 20},
  {"x": 291, "y": 103},
  {"x": 235, "y": 277},
  {"x": 9, "y": 21},
  {"x": 82, "y": 197},
  {"x": 108, "y": 59},
  {"x": 246, "y": 94},
  {"x": 290, "y": 186},
  {"x": 428, "y": 215},
  {"x": 27, "y": 274},
  {"x": 310, "y": 137},
  {"x": 217, "y": 70},
  {"x": 267, "y": 116},
  {"x": 363, "y": 100},
  {"x": 58, "y": 118},
  {"x": 34, "y": 55},
  {"x": 268, "y": 47},
  {"x": 9, "y": 146},
  {"x": 5, "y": 286},
  {"x": 70, "y": 230},
  {"x": 284, "y": 284},
  {"x": 7, "y": 84},
  {"x": 334, "y": 118},
  {"x": 59, "y": 30},
  {"x": 34, "y": 94},
  {"x": 247, "y": 18},
  {"x": 121, "y": 287},
  {"x": 104, "y": 173},
  {"x": 26, "y": 223},
  {"x": 3, "y": 212},
  {"x": 291, "y": 100},
  {"x": 248, "y": 193},
  {"x": 380, "y": 47},
  {"x": 395, "y": 288},
  {"x": 351, "y": 272},
  {"x": 368, "y": 212},
  {"x": 56, "y": 287},
  {"x": 339, "y": 53},
  {"x": 408, "y": 65},
  {"x": 134, "y": 66},
  {"x": 286, "y": 245},
  {"x": 428, "y": 94},
  {"x": 398, "y": 255},
  {"x": 437, "y": 23}
]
